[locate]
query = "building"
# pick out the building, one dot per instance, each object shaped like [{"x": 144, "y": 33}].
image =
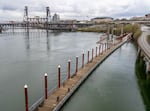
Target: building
[
  {"x": 37, "y": 18},
  {"x": 142, "y": 18},
  {"x": 56, "y": 18},
  {"x": 137, "y": 18},
  {"x": 102, "y": 19},
  {"x": 68, "y": 21},
  {"x": 147, "y": 15}
]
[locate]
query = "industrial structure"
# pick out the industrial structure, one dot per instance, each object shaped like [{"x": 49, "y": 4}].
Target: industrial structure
[
  {"x": 50, "y": 22},
  {"x": 102, "y": 19}
]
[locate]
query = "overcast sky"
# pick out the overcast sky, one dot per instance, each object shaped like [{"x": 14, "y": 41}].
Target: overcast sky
[{"x": 74, "y": 9}]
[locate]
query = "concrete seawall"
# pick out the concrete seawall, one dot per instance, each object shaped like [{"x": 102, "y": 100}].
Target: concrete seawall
[{"x": 60, "y": 95}]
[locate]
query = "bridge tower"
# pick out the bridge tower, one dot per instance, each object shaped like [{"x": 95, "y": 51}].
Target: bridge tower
[
  {"x": 25, "y": 17},
  {"x": 48, "y": 15}
]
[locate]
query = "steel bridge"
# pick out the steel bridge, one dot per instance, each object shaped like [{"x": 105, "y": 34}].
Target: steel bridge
[
  {"x": 42, "y": 23},
  {"x": 46, "y": 23}
]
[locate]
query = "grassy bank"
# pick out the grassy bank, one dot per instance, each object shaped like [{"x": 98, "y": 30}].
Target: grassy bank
[
  {"x": 143, "y": 82},
  {"x": 135, "y": 29},
  {"x": 93, "y": 29}
]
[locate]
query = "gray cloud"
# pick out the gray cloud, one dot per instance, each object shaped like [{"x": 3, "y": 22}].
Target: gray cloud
[
  {"x": 74, "y": 9},
  {"x": 9, "y": 8}
]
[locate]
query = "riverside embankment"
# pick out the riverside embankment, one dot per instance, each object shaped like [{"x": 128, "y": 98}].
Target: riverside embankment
[
  {"x": 142, "y": 66},
  {"x": 116, "y": 29}
]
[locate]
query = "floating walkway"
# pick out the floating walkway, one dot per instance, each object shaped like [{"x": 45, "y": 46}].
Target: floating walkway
[{"x": 60, "y": 95}]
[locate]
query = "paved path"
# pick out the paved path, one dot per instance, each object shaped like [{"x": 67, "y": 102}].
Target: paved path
[{"x": 143, "y": 43}]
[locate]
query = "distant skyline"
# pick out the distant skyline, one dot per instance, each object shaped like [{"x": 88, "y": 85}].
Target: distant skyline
[{"x": 74, "y": 9}]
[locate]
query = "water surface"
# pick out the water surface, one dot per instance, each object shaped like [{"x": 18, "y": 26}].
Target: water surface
[
  {"x": 111, "y": 87},
  {"x": 24, "y": 58}
]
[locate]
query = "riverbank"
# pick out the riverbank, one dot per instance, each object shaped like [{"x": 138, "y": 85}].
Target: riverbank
[
  {"x": 128, "y": 28},
  {"x": 143, "y": 81},
  {"x": 93, "y": 29}
]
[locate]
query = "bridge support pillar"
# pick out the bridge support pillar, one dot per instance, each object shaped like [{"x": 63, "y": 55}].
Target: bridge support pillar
[
  {"x": 141, "y": 54},
  {"x": 148, "y": 70}
]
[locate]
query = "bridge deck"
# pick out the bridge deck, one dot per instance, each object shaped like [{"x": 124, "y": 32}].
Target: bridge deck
[{"x": 62, "y": 94}]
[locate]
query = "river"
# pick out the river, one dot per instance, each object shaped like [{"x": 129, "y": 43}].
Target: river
[
  {"x": 113, "y": 86},
  {"x": 24, "y": 59}
]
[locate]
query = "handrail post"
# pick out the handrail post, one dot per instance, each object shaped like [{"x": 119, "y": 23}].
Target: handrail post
[
  {"x": 102, "y": 48},
  {"x": 76, "y": 64},
  {"x": 69, "y": 61},
  {"x": 46, "y": 89},
  {"x": 99, "y": 49},
  {"x": 59, "y": 76},
  {"x": 96, "y": 51},
  {"x": 26, "y": 97},
  {"x": 88, "y": 56},
  {"x": 82, "y": 59},
  {"x": 92, "y": 53}
]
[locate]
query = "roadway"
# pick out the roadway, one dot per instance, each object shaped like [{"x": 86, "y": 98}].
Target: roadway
[{"x": 143, "y": 43}]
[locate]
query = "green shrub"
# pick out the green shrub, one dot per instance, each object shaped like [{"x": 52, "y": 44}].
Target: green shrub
[
  {"x": 94, "y": 29},
  {"x": 127, "y": 28},
  {"x": 136, "y": 34}
]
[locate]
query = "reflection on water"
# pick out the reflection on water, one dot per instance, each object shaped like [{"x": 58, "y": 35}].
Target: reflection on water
[
  {"x": 25, "y": 57},
  {"x": 37, "y": 35}
]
